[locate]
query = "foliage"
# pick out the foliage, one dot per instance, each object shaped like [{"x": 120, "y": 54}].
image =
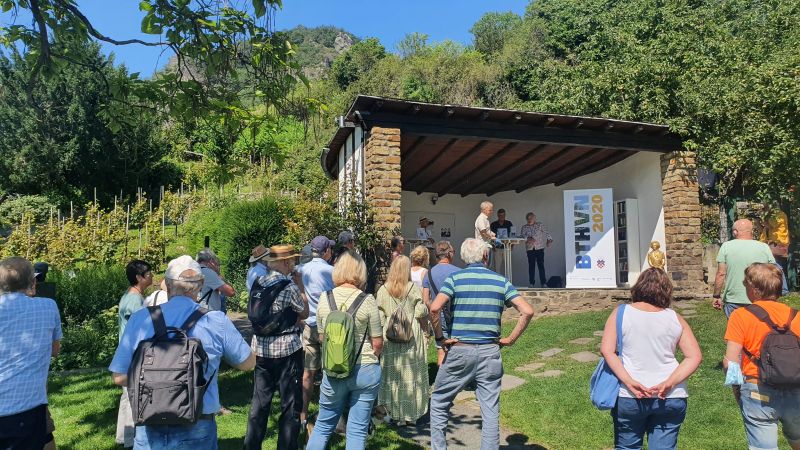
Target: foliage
[
  {"x": 82, "y": 294},
  {"x": 311, "y": 217},
  {"x": 316, "y": 48},
  {"x": 61, "y": 132},
  {"x": 492, "y": 30},
  {"x": 38, "y": 207},
  {"x": 90, "y": 344},
  {"x": 225, "y": 55},
  {"x": 356, "y": 61}
]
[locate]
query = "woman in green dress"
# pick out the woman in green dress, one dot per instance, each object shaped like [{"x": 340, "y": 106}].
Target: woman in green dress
[{"x": 404, "y": 388}]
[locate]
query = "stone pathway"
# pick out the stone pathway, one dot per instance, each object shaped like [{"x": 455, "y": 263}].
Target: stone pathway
[
  {"x": 551, "y": 352},
  {"x": 464, "y": 426}
]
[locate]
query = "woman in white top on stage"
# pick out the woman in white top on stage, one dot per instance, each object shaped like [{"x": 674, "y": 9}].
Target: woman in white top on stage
[{"x": 652, "y": 396}]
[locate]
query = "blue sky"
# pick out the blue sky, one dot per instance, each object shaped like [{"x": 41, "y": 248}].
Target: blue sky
[{"x": 389, "y": 21}]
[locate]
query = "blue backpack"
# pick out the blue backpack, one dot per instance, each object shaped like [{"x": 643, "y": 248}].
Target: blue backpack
[{"x": 604, "y": 385}]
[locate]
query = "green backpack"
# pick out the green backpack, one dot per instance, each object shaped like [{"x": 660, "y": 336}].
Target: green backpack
[{"x": 339, "y": 352}]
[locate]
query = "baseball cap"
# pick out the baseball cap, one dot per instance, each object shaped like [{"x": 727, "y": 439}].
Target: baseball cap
[
  {"x": 181, "y": 264},
  {"x": 321, "y": 243},
  {"x": 306, "y": 254},
  {"x": 345, "y": 237}
]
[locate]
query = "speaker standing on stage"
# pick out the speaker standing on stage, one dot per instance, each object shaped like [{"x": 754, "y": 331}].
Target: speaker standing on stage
[
  {"x": 537, "y": 238},
  {"x": 500, "y": 224}
]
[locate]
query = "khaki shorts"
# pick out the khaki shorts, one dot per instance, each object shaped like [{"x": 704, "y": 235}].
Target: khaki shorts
[{"x": 312, "y": 348}]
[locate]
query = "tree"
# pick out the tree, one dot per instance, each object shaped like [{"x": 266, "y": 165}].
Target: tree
[
  {"x": 357, "y": 60},
  {"x": 412, "y": 44},
  {"x": 62, "y": 144},
  {"x": 492, "y": 30},
  {"x": 216, "y": 43}
]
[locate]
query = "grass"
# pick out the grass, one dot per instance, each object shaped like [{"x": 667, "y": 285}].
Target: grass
[{"x": 554, "y": 413}]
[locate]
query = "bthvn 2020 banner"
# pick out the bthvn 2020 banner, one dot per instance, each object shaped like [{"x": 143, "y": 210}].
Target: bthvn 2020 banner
[{"x": 589, "y": 238}]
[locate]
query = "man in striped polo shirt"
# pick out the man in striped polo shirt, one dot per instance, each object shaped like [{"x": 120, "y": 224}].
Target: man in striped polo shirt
[{"x": 478, "y": 297}]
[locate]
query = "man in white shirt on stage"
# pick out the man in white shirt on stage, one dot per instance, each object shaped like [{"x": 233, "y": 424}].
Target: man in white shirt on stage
[{"x": 483, "y": 229}]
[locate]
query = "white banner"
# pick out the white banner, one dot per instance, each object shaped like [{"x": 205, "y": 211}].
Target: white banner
[{"x": 589, "y": 238}]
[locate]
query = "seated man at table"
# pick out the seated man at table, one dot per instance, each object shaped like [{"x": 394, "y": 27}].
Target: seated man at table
[{"x": 500, "y": 224}]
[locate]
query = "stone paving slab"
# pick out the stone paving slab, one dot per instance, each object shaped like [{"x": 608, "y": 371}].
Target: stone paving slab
[
  {"x": 690, "y": 312},
  {"x": 531, "y": 367},
  {"x": 585, "y": 357},
  {"x": 549, "y": 374},
  {"x": 582, "y": 341},
  {"x": 598, "y": 333},
  {"x": 551, "y": 352},
  {"x": 511, "y": 382}
]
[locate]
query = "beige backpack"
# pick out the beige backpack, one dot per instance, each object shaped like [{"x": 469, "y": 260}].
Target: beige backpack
[{"x": 400, "y": 325}]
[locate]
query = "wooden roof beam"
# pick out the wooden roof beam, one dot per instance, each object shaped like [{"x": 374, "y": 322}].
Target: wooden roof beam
[
  {"x": 414, "y": 147},
  {"x": 504, "y": 151},
  {"x": 465, "y": 157},
  {"x": 539, "y": 168},
  {"x": 432, "y": 162},
  {"x": 504, "y": 171},
  {"x": 562, "y": 157},
  {"x": 610, "y": 161},
  {"x": 588, "y": 159}
]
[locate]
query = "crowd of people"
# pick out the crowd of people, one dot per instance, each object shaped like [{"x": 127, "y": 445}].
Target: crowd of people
[{"x": 311, "y": 315}]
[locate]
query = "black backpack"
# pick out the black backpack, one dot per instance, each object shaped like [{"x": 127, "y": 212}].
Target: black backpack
[
  {"x": 779, "y": 360},
  {"x": 166, "y": 380},
  {"x": 259, "y": 310}
]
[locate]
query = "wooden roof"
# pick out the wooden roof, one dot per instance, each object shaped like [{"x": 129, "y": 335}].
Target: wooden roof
[{"x": 451, "y": 149}]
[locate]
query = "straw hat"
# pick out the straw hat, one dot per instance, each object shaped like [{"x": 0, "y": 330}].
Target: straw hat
[
  {"x": 280, "y": 252},
  {"x": 258, "y": 253}
]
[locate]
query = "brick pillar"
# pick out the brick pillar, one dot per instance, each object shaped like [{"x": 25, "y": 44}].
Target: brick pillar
[
  {"x": 682, "y": 220},
  {"x": 382, "y": 177}
]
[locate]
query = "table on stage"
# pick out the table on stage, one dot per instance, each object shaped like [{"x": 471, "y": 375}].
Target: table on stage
[{"x": 508, "y": 246}]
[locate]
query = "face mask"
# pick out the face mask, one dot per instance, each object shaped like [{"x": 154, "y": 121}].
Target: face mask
[{"x": 734, "y": 375}]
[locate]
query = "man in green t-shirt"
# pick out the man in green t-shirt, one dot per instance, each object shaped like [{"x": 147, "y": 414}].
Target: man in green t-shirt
[
  {"x": 733, "y": 258},
  {"x": 140, "y": 277}
]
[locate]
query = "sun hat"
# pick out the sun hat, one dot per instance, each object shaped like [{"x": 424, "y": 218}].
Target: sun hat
[
  {"x": 281, "y": 251},
  {"x": 430, "y": 222},
  {"x": 258, "y": 253}
]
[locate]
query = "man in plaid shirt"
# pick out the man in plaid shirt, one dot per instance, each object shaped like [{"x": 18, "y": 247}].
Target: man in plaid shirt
[{"x": 279, "y": 358}]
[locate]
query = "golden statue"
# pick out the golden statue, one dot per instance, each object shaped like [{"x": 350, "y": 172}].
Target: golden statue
[{"x": 656, "y": 257}]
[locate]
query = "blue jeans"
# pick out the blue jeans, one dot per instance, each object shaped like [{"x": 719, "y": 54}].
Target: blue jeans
[
  {"x": 660, "y": 419},
  {"x": 463, "y": 365},
  {"x": 359, "y": 392},
  {"x": 200, "y": 436},
  {"x": 763, "y": 407},
  {"x": 729, "y": 308}
]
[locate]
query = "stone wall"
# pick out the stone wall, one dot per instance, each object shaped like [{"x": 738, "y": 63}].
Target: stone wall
[
  {"x": 552, "y": 302},
  {"x": 382, "y": 176},
  {"x": 682, "y": 220}
]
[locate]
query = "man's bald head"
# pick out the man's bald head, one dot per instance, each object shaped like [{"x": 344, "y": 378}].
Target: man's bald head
[{"x": 743, "y": 229}]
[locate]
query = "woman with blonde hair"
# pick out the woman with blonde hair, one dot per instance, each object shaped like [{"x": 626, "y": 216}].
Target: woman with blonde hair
[
  {"x": 404, "y": 388},
  {"x": 652, "y": 395},
  {"x": 419, "y": 264},
  {"x": 360, "y": 389}
]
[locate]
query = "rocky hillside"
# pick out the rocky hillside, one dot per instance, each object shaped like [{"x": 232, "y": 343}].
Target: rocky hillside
[{"x": 318, "y": 47}]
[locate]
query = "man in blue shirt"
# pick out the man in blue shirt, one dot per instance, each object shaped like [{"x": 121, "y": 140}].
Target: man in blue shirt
[
  {"x": 259, "y": 268},
  {"x": 431, "y": 284},
  {"x": 220, "y": 339},
  {"x": 30, "y": 330},
  {"x": 478, "y": 296},
  {"x": 317, "y": 277}
]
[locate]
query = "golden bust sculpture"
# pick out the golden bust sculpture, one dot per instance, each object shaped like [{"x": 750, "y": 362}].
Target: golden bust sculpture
[{"x": 656, "y": 257}]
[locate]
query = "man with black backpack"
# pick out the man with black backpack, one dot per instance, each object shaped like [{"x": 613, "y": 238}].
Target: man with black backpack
[
  {"x": 764, "y": 337},
  {"x": 275, "y": 309},
  {"x": 168, "y": 358}
]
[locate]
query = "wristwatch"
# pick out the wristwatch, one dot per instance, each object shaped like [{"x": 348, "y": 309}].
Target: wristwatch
[{"x": 717, "y": 296}]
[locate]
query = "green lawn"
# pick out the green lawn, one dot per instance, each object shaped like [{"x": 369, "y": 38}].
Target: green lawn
[{"x": 554, "y": 413}]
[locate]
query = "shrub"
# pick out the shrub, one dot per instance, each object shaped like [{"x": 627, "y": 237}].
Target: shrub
[
  {"x": 89, "y": 344},
  {"x": 38, "y": 206},
  {"x": 84, "y": 294}
]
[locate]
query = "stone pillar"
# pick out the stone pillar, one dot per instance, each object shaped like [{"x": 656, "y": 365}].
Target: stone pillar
[
  {"x": 682, "y": 220},
  {"x": 382, "y": 184}
]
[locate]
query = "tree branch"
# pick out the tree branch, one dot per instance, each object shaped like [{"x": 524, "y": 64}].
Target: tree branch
[{"x": 96, "y": 34}]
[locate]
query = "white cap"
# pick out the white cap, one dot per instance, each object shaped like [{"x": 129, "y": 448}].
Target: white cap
[{"x": 181, "y": 264}]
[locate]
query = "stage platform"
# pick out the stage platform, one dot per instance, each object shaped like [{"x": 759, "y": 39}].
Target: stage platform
[{"x": 549, "y": 302}]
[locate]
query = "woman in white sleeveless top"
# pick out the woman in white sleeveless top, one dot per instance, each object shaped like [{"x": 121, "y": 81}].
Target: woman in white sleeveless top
[
  {"x": 419, "y": 265},
  {"x": 652, "y": 397}
]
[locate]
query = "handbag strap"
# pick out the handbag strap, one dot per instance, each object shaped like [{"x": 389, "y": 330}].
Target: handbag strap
[{"x": 620, "y": 313}]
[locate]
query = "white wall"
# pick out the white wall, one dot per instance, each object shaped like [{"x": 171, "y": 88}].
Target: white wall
[
  {"x": 636, "y": 177},
  {"x": 351, "y": 166}
]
